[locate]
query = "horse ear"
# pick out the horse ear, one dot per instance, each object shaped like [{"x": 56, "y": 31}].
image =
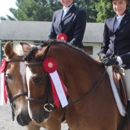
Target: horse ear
[
  {"x": 45, "y": 51},
  {"x": 26, "y": 47},
  {"x": 8, "y": 50}
]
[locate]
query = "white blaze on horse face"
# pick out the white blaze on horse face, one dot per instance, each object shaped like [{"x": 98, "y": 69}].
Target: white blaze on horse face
[
  {"x": 22, "y": 70},
  {"x": 28, "y": 76}
]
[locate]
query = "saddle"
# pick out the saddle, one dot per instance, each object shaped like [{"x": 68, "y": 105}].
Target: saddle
[{"x": 119, "y": 82}]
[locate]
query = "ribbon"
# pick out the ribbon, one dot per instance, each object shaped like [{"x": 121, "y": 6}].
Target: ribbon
[
  {"x": 3, "y": 85},
  {"x": 62, "y": 37},
  {"x": 3, "y": 65},
  {"x": 58, "y": 87},
  {"x": 3, "y": 90}
]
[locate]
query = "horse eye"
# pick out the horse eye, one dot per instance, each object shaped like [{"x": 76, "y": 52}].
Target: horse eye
[
  {"x": 36, "y": 79},
  {"x": 9, "y": 76}
]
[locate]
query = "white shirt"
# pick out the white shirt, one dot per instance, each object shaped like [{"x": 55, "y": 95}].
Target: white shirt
[
  {"x": 118, "y": 21},
  {"x": 65, "y": 10}
]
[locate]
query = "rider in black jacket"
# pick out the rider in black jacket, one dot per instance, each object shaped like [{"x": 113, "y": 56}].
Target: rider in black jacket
[{"x": 115, "y": 48}]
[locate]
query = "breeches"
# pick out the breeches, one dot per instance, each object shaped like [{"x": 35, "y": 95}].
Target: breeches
[
  {"x": 127, "y": 82},
  {"x": 126, "y": 78}
]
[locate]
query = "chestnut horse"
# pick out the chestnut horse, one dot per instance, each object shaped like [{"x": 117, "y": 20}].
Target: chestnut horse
[
  {"x": 17, "y": 92},
  {"x": 91, "y": 102}
]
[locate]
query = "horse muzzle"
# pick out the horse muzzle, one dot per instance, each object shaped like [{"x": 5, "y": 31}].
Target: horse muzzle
[{"x": 23, "y": 119}]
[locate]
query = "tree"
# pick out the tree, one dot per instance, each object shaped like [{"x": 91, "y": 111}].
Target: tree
[
  {"x": 104, "y": 9},
  {"x": 34, "y": 10},
  {"x": 89, "y": 7},
  {"x": 42, "y": 10}
]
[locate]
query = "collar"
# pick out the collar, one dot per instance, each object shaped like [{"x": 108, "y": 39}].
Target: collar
[
  {"x": 119, "y": 18},
  {"x": 67, "y": 8}
]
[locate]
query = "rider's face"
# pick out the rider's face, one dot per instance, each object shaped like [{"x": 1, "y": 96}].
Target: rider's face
[
  {"x": 66, "y": 3},
  {"x": 119, "y": 6}
]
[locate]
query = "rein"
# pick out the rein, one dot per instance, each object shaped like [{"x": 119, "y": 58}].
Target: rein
[
  {"x": 87, "y": 94},
  {"x": 12, "y": 98}
]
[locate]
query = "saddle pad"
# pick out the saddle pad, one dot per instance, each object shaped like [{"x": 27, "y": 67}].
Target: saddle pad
[{"x": 120, "y": 106}]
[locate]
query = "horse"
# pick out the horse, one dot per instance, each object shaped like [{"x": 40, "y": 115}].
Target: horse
[
  {"x": 91, "y": 104},
  {"x": 17, "y": 92}
]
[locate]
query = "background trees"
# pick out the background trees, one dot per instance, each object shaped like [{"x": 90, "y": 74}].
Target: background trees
[
  {"x": 42, "y": 10},
  {"x": 104, "y": 9}
]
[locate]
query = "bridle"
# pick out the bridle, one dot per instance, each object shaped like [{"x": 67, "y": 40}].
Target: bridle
[
  {"x": 10, "y": 96},
  {"x": 45, "y": 99}
]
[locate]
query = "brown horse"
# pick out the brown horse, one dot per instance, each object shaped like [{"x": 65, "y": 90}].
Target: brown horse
[
  {"x": 91, "y": 102},
  {"x": 17, "y": 92}
]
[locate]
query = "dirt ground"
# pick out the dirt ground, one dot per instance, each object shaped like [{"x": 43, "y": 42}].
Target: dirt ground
[{"x": 6, "y": 122}]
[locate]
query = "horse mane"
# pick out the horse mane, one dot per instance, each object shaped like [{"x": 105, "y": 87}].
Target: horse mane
[
  {"x": 80, "y": 50},
  {"x": 31, "y": 53},
  {"x": 54, "y": 41}
]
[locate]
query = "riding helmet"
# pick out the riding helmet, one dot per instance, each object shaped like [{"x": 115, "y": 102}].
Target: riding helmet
[{"x": 127, "y": 4}]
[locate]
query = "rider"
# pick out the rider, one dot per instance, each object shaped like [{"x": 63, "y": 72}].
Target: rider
[
  {"x": 115, "y": 49},
  {"x": 71, "y": 21}
]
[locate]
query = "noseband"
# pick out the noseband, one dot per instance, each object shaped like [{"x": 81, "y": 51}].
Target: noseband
[{"x": 12, "y": 98}]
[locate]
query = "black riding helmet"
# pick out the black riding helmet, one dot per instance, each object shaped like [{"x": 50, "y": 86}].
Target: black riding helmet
[{"x": 127, "y": 3}]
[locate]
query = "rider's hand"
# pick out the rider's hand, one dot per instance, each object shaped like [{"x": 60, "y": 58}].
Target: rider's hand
[
  {"x": 110, "y": 61},
  {"x": 101, "y": 56}
]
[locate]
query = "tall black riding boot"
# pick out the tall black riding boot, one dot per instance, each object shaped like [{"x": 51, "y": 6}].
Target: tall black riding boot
[{"x": 128, "y": 109}]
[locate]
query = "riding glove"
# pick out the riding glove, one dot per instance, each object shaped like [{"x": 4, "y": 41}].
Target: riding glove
[
  {"x": 110, "y": 61},
  {"x": 101, "y": 56}
]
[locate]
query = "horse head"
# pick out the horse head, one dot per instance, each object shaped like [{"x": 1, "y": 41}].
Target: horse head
[
  {"x": 35, "y": 77},
  {"x": 16, "y": 85}
]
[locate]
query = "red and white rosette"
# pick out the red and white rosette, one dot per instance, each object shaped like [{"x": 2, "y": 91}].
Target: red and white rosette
[
  {"x": 3, "y": 85},
  {"x": 62, "y": 37},
  {"x": 58, "y": 87}
]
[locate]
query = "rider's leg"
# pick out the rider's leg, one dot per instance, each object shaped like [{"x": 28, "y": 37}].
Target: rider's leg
[{"x": 127, "y": 84}]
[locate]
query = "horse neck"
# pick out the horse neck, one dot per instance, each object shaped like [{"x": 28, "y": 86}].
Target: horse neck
[{"x": 79, "y": 72}]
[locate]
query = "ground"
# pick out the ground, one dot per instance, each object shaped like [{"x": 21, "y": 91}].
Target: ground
[{"x": 6, "y": 122}]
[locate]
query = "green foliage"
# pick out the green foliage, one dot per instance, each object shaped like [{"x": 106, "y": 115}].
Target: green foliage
[
  {"x": 104, "y": 9},
  {"x": 34, "y": 10},
  {"x": 42, "y": 10},
  {"x": 2, "y": 18},
  {"x": 89, "y": 7}
]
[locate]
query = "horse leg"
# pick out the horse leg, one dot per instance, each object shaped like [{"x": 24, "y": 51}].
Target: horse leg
[
  {"x": 54, "y": 122},
  {"x": 33, "y": 126},
  {"x": 53, "y": 125}
]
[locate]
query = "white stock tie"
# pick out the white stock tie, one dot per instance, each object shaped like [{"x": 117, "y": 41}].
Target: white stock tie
[{"x": 64, "y": 13}]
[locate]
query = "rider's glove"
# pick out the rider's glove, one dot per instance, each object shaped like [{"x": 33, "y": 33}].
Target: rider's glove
[
  {"x": 110, "y": 61},
  {"x": 101, "y": 56}
]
